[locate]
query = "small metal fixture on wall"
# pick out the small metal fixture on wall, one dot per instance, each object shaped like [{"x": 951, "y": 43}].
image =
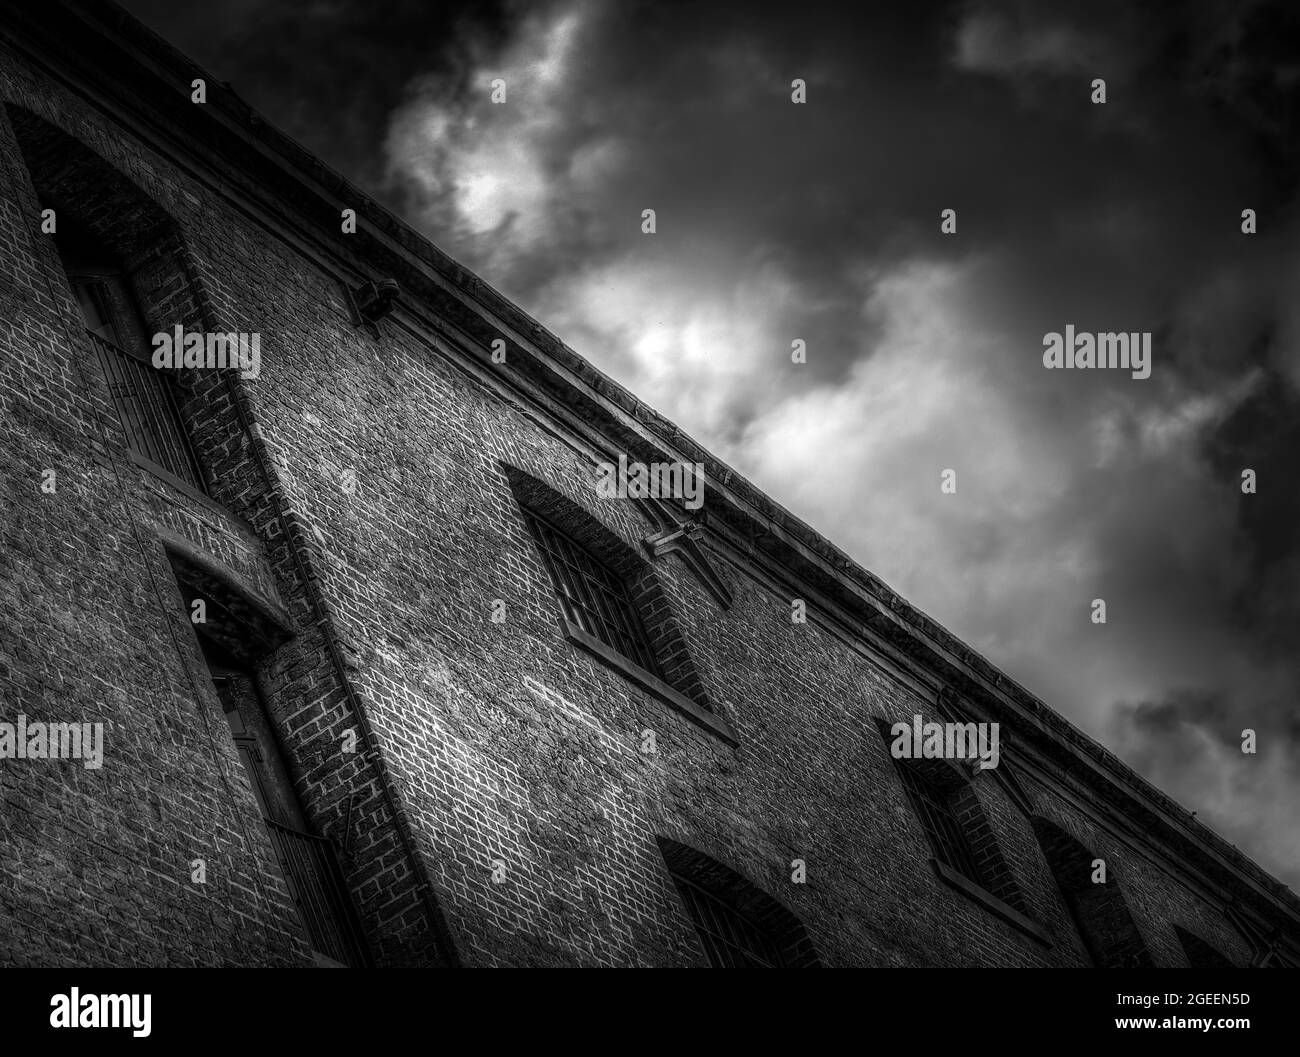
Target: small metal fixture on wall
[{"x": 372, "y": 301}]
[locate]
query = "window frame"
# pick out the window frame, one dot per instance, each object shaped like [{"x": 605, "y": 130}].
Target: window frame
[
  {"x": 944, "y": 831},
  {"x": 590, "y": 597},
  {"x": 696, "y": 897},
  {"x": 151, "y": 422}
]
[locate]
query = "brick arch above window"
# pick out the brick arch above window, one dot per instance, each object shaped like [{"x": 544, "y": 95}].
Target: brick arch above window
[
  {"x": 121, "y": 252},
  {"x": 108, "y": 204},
  {"x": 1201, "y": 955},
  {"x": 739, "y": 924},
  {"x": 1100, "y": 911}
]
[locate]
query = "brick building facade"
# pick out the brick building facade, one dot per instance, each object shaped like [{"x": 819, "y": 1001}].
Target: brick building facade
[{"x": 446, "y": 704}]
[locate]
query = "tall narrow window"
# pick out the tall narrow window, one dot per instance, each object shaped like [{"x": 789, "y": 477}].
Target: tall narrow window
[
  {"x": 591, "y": 595},
  {"x": 945, "y": 833},
  {"x": 308, "y": 862},
  {"x": 143, "y": 396}
]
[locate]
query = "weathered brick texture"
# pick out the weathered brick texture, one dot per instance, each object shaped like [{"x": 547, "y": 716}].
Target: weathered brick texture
[{"x": 499, "y": 807}]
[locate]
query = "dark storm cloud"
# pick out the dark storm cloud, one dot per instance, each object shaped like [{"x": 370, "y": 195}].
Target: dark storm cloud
[
  {"x": 821, "y": 221},
  {"x": 327, "y": 72},
  {"x": 1204, "y": 730}
]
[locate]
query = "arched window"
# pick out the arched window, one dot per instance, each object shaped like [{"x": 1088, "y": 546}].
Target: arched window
[
  {"x": 955, "y": 825},
  {"x": 740, "y": 926},
  {"x": 114, "y": 241},
  {"x": 932, "y": 799},
  {"x": 1099, "y": 910},
  {"x": 610, "y": 603}
]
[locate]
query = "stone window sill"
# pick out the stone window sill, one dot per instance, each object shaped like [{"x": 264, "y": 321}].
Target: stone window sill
[
  {"x": 991, "y": 902},
  {"x": 652, "y": 684}
]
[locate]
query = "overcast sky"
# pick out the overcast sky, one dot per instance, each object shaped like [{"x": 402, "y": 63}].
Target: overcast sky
[{"x": 821, "y": 221}]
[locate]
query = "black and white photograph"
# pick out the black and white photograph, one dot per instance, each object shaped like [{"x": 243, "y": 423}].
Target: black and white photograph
[{"x": 650, "y": 484}]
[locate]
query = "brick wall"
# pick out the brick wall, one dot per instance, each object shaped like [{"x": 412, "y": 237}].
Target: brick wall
[
  {"x": 500, "y": 807},
  {"x": 97, "y": 862}
]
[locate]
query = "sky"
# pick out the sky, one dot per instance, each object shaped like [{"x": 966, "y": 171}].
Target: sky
[{"x": 820, "y": 221}]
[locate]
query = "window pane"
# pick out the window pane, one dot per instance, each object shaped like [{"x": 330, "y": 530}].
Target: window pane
[
  {"x": 942, "y": 829},
  {"x": 731, "y": 941},
  {"x": 143, "y": 396},
  {"x": 591, "y": 595}
]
